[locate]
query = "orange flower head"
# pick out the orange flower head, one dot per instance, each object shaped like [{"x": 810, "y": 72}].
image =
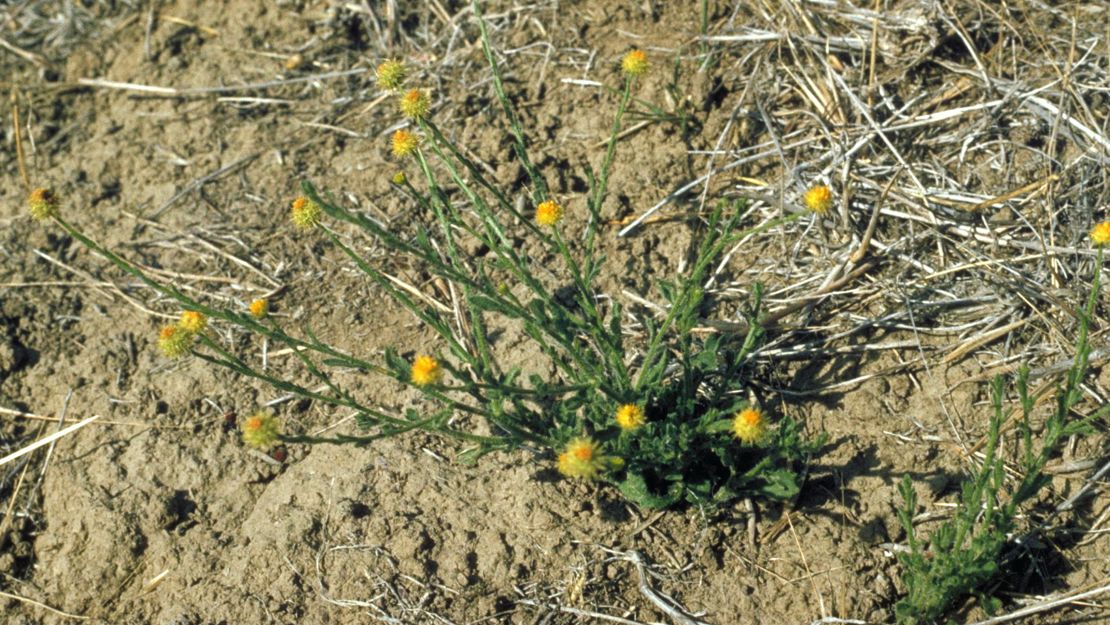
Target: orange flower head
[
  {"x": 635, "y": 64},
  {"x": 818, "y": 199},
  {"x": 581, "y": 459},
  {"x": 174, "y": 341},
  {"x": 425, "y": 371},
  {"x": 749, "y": 425},
  {"x": 261, "y": 430},
  {"x": 259, "y": 308},
  {"x": 415, "y": 104},
  {"x": 193, "y": 321},
  {"x": 630, "y": 417},
  {"x": 306, "y": 213},
  {"x": 43, "y": 204},
  {"x": 404, "y": 143},
  {"x": 548, "y": 213}
]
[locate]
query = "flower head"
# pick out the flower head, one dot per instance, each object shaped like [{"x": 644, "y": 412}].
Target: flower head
[
  {"x": 261, "y": 430},
  {"x": 306, "y": 213},
  {"x": 581, "y": 459},
  {"x": 391, "y": 74},
  {"x": 415, "y": 104},
  {"x": 193, "y": 321},
  {"x": 175, "y": 341},
  {"x": 635, "y": 64},
  {"x": 399, "y": 178},
  {"x": 548, "y": 213},
  {"x": 43, "y": 204},
  {"x": 630, "y": 417},
  {"x": 404, "y": 143},
  {"x": 749, "y": 425},
  {"x": 259, "y": 308},
  {"x": 425, "y": 371},
  {"x": 818, "y": 198},
  {"x": 1100, "y": 234}
]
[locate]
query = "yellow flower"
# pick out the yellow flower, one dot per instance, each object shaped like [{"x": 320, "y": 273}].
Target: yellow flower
[
  {"x": 548, "y": 213},
  {"x": 193, "y": 321},
  {"x": 415, "y": 104},
  {"x": 259, "y": 308},
  {"x": 391, "y": 74},
  {"x": 818, "y": 198},
  {"x": 44, "y": 204},
  {"x": 399, "y": 178},
  {"x": 1100, "y": 234},
  {"x": 404, "y": 143},
  {"x": 749, "y": 426},
  {"x": 630, "y": 417},
  {"x": 261, "y": 430},
  {"x": 581, "y": 459},
  {"x": 634, "y": 63},
  {"x": 306, "y": 213},
  {"x": 174, "y": 341},
  {"x": 425, "y": 371}
]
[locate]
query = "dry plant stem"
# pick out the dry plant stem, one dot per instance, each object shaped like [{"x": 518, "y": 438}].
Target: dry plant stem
[
  {"x": 675, "y": 612},
  {"x": 174, "y": 92},
  {"x": 48, "y": 439},
  {"x": 520, "y": 146},
  {"x": 18, "y": 132},
  {"x": 578, "y": 612},
  {"x": 1045, "y": 606},
  {"x": 42, "y": 605}
]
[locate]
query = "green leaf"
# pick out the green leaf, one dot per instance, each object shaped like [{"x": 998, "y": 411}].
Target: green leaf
[
  {"x": 635, "y": 487},
  {"x": 780, "y": 484},
  {"x": 724, "y": 425}
]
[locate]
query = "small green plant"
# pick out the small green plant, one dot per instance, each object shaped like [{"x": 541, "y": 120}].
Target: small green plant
[
  {"x": 963, "y": 555},
  {"x": 667, "y": 420}
]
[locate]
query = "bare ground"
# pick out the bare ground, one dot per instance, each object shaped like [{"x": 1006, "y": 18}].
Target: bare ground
[{"x": 975, "y": 134}]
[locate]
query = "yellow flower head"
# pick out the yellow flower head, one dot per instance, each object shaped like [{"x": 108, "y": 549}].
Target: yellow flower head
[
  {"x": 818, "y": 198},
  {"x": 749, "y": 425},
  {"x": 44, "y": 204},
  {"x": 425, "y": 371},
  {"x": 175, "y": 341},
  {"x": 1100, "y": 234},
  {"x": 548, "y": 213},
  {"x": 415, "y": 104},
  {"x": 306, "y": 213},
  {"x": 261, "y": 430},
  {"x": 635, "y": 63},
  {"x": 630, "y": 417},
  {"x": 404, "y": 143},
  {"x": 581, "y": 459},
  {"x": 193, "y": 321},
  {"x": 259, "y": 308},
  {"x": 399, "y": 178},
  {"x": 391, "y": 74}
]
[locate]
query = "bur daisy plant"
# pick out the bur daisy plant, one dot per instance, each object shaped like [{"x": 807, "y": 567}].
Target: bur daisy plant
[
  {"x": 43, "y": 204},
  {"x": 415, "y": 104},
  {"x": 404, "y": 143},
  {"x": 818, "y": 199},
  {"x": 548, "y": 213},
  {"x": 306, "y": 213},
  {"x": 391, "y": 75},
  {"x": 652, "y": 413},
  {"x": 1100, "y": 234},
  {"x": 425, "y": 370}
]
